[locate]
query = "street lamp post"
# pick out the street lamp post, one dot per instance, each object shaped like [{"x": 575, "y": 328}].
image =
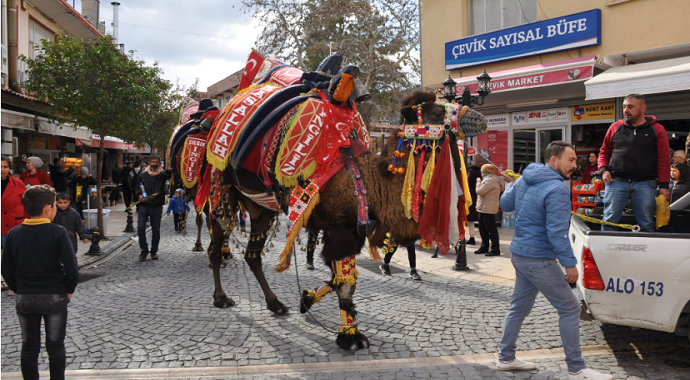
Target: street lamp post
[{"x": 483, "y": 90}]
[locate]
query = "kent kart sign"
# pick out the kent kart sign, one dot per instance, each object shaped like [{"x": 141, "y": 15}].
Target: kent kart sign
[{"x": 568, "y": 32}]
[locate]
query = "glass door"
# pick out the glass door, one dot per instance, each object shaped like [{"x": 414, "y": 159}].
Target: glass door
[
  {"x": 545, "y": 136},
  {"x": 524, "y": 149}
]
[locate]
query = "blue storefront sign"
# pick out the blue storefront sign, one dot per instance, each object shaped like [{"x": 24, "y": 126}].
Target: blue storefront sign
[{"x": 562, "y": 33}]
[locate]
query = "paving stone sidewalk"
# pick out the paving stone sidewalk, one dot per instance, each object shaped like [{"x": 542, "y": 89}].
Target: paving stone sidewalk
[{"x": 159, "y": 314}]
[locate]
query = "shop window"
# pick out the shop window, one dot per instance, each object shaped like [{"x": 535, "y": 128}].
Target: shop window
[
  {"x": 489, "y": 15},
  {"x": 524, "y": 149},
  {"x": 38, "y": 32}
]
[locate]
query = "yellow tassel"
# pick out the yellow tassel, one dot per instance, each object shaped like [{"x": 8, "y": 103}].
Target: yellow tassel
[
  {"x": 225, "y": 250},
  {"x": 312, "y": 296},
  {"x": 429, "y": 171},
  {"x": 348, "y": 330},
  {"x": 283, "y": 262},
  {"x": 408, "y": 186},
  {"x": 351, "y": 279},
  {"x": 272, "y": 245}
]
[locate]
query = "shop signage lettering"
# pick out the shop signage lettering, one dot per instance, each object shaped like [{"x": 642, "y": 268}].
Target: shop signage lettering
[
  {"x": 535, "y": 80},
  {"x": 501, "y": 120},
  {"x": 540, "y": 116},
  {"x": 600, "y": 111},
  {"x": 569, "y": 32}
]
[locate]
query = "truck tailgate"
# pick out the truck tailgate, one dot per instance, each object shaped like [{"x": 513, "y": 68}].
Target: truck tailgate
[{"x": 646, "y": 276}]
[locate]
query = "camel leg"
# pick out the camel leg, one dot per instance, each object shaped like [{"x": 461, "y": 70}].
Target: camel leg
[
  {"x": 198, "y": 247},
  {"x": 220, "y": 299},
  {"x": 345, "y": 277},
  {"x": 261, "y": 220},
  {"x": 310, "y": 297}
]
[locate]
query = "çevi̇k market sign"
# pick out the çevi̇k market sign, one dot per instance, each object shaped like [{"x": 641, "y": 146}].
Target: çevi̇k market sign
[{"x": 562, "y": 33}]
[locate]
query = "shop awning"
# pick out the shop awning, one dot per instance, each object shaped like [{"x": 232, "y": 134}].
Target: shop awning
[
  {"x": 45, "y": 126},
  {"x": 109, "y": 143},
  {"x": 644, "y": 78},
  {"x": 548, "y": 74},
  {"x": 19, "y": 120}
]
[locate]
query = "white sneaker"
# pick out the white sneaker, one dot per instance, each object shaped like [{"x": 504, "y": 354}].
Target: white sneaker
[
  {"x": 515, "y": 364},
  {"x": 589, "y": 374}
]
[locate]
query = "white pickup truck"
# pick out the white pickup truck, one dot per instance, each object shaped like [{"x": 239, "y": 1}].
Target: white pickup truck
[{"x": 633, "y": 279}]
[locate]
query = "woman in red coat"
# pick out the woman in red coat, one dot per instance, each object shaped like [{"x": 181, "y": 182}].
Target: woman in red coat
[
  {"x": 34, "y": 175},
  {"x": 12, "y": 206}
]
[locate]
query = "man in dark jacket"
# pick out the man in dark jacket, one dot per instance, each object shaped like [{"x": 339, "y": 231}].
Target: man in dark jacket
[
  {"x": 633, "y": 161},
  {"x": 123, "y": 181},
  {"x": 44, "y": 274},
  {"x": 58, "y": 175},
  {"x": 151, "y": 193}
]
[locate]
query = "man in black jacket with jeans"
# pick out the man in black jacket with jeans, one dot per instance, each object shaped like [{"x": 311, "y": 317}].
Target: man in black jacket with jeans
[{"x": 151, "y": 182}]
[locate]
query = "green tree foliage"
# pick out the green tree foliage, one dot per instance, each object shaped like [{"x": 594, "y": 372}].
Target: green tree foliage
[
  {"x": 92, "y": 84},
  {"x": 380, "y": 36}
]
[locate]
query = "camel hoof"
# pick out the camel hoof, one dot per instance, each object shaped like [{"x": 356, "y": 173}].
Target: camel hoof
[
  {"x": 198, "y": 248},
  {"x": 277, "y": 307},
  {"x": 305, "y": 303},
  {"x": 352, "y": 342},
  {"x": 223, "y": 302},
  {"x": 223, "y": 264}
]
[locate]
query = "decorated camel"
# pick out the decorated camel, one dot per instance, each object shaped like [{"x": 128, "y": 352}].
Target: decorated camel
[{"x": 293, "y": 142}]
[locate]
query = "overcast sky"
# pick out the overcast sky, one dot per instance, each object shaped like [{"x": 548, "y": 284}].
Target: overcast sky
[{"x": 207, "y": 39}]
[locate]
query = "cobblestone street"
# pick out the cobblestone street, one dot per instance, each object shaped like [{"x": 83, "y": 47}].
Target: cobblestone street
[{"x": 157, "y": 317}]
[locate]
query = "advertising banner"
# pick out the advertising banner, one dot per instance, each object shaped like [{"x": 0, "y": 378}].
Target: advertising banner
[
  {"x": 562, "y": 33},
  {"x": 492, "y": 146},
  {"x": 540, "y": 116},
  {"x": 599, "y": 111}
]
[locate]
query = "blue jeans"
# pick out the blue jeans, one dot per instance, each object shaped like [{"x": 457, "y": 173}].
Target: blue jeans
[
  {"x": 155, "y": 213},
  {"x": 545, "y": 276},
  {"x": 642, "y": 194},
  {"x": 31, "y": 310}
]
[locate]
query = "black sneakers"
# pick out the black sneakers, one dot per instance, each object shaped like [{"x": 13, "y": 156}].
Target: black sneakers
[
  {"x": 310, "y": 265},
  {"x": 415, "y": 276},
  {"x": 143, "y": 255},
  {"x": 493, "y": 253},
  {"x": 471, "y": 241},
  {"x": 154, "y": 256},
  {"x": 385, "y": 269},
  {"x": 481, "y": 251}
]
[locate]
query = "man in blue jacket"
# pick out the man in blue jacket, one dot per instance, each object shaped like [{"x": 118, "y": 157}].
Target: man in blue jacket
[{"x": 541, "y": 202}]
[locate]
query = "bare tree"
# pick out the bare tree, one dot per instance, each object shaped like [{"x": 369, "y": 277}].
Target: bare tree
[{"x": 380, "y": 36}]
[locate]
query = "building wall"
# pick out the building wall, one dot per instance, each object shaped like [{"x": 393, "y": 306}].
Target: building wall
[
  {"x": 22, "y": 48},
  {"x": 631, "y": 26}
]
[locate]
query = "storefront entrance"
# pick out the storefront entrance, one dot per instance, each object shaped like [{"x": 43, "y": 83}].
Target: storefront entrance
[{"x": 529, "y": 145}]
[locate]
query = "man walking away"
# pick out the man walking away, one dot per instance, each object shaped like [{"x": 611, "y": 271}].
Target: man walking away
[
  {"x": 58, "y": 175},
  {"x": 123, "y": 181},
  {"x": 151, "y": 181},
  {"x": 541, "y": 202},
  {"x": 44, "y": 274},
  {"x": 634, "y": 161}
]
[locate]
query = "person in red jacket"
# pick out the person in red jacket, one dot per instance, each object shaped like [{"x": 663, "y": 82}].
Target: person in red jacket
[
  {"x": 34, "y": 175},
  {"x": 634, "y": 161},
  {"x": 12, "y": 207}
]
